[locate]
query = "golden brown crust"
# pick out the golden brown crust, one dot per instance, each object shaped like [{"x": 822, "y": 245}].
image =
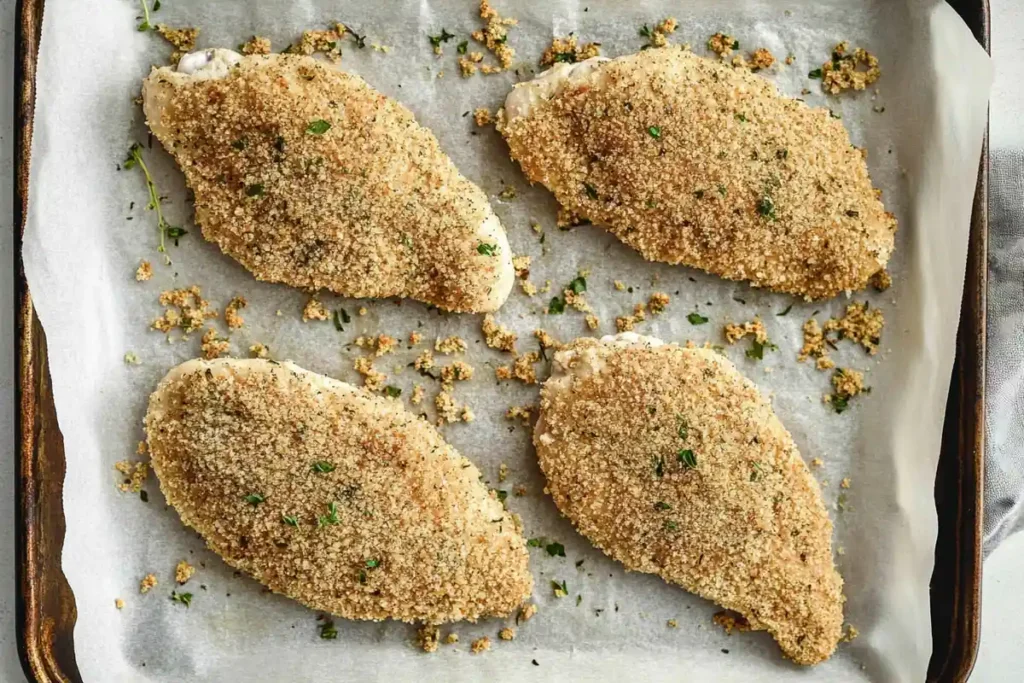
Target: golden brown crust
[
  {"x": 413, "y": 534},
  {"x": 672, "y": 463},
  {"x": 692, "y": 162},
  {"x": 308, "y": 176}
]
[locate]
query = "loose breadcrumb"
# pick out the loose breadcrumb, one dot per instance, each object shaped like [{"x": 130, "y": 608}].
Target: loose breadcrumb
[
  {"x": 672, "y": 623},
  {"x": 845, "y": 483},
  {"x": 849, "y": 71},
  {"x": 790, "y": 59},
  {"x": 814, "y": 343},
  {"x": 381, "y": 345},
  {"x": 850, "y": 635},
  {"x": 259, "y": 350},
  {"x": 522, "y": 367},
  {"x": 415, "y": 338},
  {"x": 183, "y": 571},
  {"x": 450, "y": 345},
  {"x": 213, "y": 346},
  {"x": 734, "y": 333},
  {"x": 519, "y": 491},
  {"x": 860, "y": 324},
  {"x": 524, "y": 413},
  {"x": 148, "y": 582},
  {"x": 593, "y": 322},
  {"x": 881, "y": 281},
  {"x": 372, "y": 379},
  {"x": 118, "y": 603},
  {"x": 502, "y": 472},
  {"x": 141, "y": 448},
  {"x": 327, "y": 42},
  {"x": 731, "y": 622},
  {"x": 183, "y": 40},
  {"x": 847, "y": 383},
  {"x": 497, "y": 336},
  {"x": 458, "y": 371},
  {"x": 482, "y": 116},
  {"x": 424, "y": 361},
  {"x": 529, "y": 289},
  {"x": 626, "y": 323},
  {"x": 447, "y": 410},
  {"x": 135, "y": 474},
  {"x": 314, "y": 310},
  {"x": 417, "y": 395},
  {"x": 569, "y": 50},
  {"x": 521, "y": 264},
  {"x": 144, "y": 271},
  {"x": 507, "y": 633},
  {"x": 526, "y": 612},
  {"x": 130, "y": 358},
  {"x": 257, "y": 45},
  {"x": 363, "y": 310},
  {"x": 428, "y": 637},
  {"x": 546, "y": 341},
  {"x": 722, "y": 44},
  {"x": 503, "y": 372},
  {"x": 452, "y": 638},
  {"x": 619, "y": 285},
  {"x": 817, "y": 462},
  {"x": 186, "y": 310},
  {"x": 761, "y": 58},
  {"x": 494, "y": 36},
  {"x": 480, "y": 644},
  {"x": 231, "y": 316},
  {"x": 658, "y": 302}
]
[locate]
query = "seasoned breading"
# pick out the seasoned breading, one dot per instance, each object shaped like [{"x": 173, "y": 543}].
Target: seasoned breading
[
  {"x": 308, "y": 176},
  {"x": 330, "y": 495},
  {"x": 673, "y": 463},
  {"x": 692, "y": 162}
]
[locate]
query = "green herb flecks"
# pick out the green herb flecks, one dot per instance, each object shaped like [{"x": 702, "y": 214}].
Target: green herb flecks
[
  {"x": 337, "y": 322},
  {"x": 183, "y": 598},
  {"x": 560, "y": 589},
  {"x": 146, "y": 24},
  {"x": 328, "y": 631},
  {"x": 590, "y": 190},
  {"x": 290, "y": 520},
  {"x": 240, "y": 144},
  {"x": 502, "y": 495},
  {"x": 699, "y": 194},
  {"x": 688, "y": 458},
  {"x": 654, "y": 132},
  {"x": 766, "y": 207},
  {"x": 443, "y": 37},
  {"x": 556, "y": 306},
  {"x": 661, "y": 505},
  {"x": 722, "y": 190},
  {"x": 331, "y": 517},
  {"x": 659, "y": 467},
  {"x": 392, "y": 391},
  {"x": 756, "y": 350},
  {"x": 318, "y": 127},
  {"x": 742, "y": 118},
  {"x": 756, "y": 473},
  {"x": 839, "y": 403},
  {"x": 324, "y": 467},
  {"x": 535, "y": 543},
  {"x": 696, "y": 318},
  {"x": 645, "y": 31},
  {"x": 814, "y": 73},
  {"x": 462, "y": 47},
  {"x": 165, "y": 229},
  {"x": 487, "y": 249},
  {"x": 372, "y": 564},
  {"x": 671, "y": 525},
  {"x": 255, "y": 499},
  {"x": 578, "y": 285},
  {"x": 555, "y": 549},
  {"x": 786, "y": 311},
  {"x": 254, "y": 190},
  {"x": 735, "y": 44}
]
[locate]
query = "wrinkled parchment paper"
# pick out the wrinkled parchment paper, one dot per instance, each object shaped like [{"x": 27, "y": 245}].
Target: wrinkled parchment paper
[{"x": 85, "y": 238}]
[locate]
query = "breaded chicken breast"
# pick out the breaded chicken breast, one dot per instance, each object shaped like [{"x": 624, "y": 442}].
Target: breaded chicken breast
[
  {"x": 308, "y": 176},
  {"x": 671, "y": 462},
  {"x": 335, "y": 497},
  {"x": 692, "y": 162}
]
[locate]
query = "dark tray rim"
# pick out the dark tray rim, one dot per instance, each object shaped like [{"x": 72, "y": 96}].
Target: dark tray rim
[{"x": 46, "y": 610}]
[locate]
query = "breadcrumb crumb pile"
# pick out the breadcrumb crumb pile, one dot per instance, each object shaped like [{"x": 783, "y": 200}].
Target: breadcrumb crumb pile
[
  {"x": 569, "y": 50},
  {"x": 186, "y": 310},
  {"x": 849, "y": 71},
  {"x": 144, "y": 271},
  {"x": 134, "y": 475},
  {"x": 183, "y": 571},
  {"x": 231, "y": 316}
]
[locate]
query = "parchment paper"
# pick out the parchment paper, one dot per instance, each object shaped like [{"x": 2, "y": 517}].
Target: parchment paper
[{"x": 81, "y": 251}]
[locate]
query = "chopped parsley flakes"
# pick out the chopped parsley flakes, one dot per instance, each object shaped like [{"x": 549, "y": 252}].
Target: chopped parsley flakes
[
  {"x": 696, "y": 318},
  {"x": 331, "y": 517},
  {"x": 255, "y": 499},
  {"x": 555, "y": 549},
  {"x": 487, "y": 249},
  {"x": 661, "y": 505},
  {"x": 323, "y": 466},
  {"x": 654, "y": 132},
  {"x": 290, "y": 520},
  {"x": 687, "y": 458},
  {"x": 328, "y": 631},
  {"x": 443, "y": 37},
  {"x": 560, "y": 589},
  {"x": 318, "y": 127},
  {"x": 392, "y": 391},
  {"x": 183, "y": 598}
]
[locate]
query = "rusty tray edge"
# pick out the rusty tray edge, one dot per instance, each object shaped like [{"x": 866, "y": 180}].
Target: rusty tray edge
[{"x": 46, "y": 610}]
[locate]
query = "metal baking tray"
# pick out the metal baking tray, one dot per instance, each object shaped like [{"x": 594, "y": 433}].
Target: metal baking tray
[{"x": 46, "y": 606}]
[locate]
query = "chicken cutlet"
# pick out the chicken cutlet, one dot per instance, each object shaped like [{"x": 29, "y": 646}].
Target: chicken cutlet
[
  {"x": 691, "y": 162},
  {"x": 332, "y": 496},
  {"x": 671, "y": 462},
  {"x": 308, "y": 176}
]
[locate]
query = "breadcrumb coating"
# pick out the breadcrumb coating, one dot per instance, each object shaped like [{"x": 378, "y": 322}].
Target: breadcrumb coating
[
  {"x": 308, "y": 176},
  {"x": 397, "y": 525},
  {"x": 673, "y": 463},
  {"x": 691, "y": 162}
]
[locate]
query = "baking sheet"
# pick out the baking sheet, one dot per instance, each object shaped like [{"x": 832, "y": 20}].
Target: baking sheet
[{"x": 80, "y": 255}]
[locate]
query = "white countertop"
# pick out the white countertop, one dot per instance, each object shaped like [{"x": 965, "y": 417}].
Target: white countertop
[{"x": 1001, "y": 657}]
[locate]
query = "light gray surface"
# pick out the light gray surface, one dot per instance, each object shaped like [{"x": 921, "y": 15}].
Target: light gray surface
[{"x": 1002, "y": 651}]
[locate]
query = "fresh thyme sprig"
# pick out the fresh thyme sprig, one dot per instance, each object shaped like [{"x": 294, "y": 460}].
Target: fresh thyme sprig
[{"x": 166, "y": 229}]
